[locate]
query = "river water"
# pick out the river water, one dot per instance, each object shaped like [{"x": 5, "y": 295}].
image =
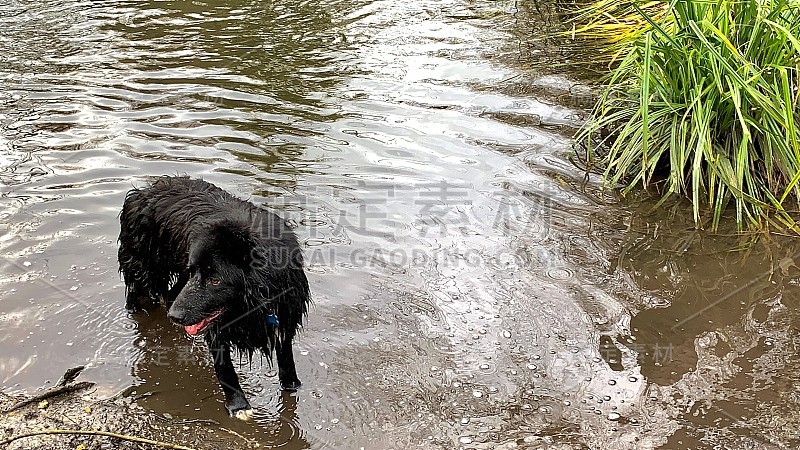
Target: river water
[{"x": 471, "y": 288}]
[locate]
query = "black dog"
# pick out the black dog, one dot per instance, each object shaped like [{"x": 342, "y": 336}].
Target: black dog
[{"x": 223, "y": 267}]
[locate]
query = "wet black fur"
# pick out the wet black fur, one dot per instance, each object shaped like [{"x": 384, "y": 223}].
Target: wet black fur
[{"x": 197, "y": 248}]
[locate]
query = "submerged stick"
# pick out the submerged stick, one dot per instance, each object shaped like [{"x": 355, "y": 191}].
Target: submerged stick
[
  {"x": 70, "y": 375},
  {"x": 97, "y": 433}
]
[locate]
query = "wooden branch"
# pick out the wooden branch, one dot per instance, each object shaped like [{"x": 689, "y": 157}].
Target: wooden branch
[
  {"x": 70, "y": 375},
  {"x": 96, "y": 433},
  {"x": 50, "y": 393}
]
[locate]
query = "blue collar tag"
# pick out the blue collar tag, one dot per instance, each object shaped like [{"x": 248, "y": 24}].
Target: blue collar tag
[{"x": 272, "y": 319}]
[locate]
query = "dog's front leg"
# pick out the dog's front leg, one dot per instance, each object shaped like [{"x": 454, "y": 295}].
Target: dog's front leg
[
  {"x": 286, "y": 369},
  {"x": 235, "y": 401}
]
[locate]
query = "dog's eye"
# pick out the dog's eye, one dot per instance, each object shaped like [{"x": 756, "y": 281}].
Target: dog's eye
[{"x": 213, "y": 281}]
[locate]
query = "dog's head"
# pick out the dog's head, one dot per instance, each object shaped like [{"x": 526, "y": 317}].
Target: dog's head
[{"x": 219, "y": 261}]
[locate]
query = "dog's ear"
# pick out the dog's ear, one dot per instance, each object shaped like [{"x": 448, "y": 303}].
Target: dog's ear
[{"x": 235, "y": 241}]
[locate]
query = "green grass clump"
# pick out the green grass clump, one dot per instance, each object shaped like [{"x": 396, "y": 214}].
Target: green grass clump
[
  {"x": 610, "y": 27},
  {"x": 704, "y": 103}
]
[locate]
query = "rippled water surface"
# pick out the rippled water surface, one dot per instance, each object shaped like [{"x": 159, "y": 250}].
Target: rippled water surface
[{"x": 471, "y": 289}]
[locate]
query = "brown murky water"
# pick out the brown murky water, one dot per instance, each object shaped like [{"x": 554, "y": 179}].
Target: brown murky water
[{"x": 470, "y": 290}]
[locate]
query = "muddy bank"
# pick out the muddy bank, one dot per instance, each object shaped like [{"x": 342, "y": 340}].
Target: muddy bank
[{"x": 83, "y": 410}]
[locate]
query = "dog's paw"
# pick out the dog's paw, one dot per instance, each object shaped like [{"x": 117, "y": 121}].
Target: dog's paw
[
  {"x": 239, "y": 408},
  {"x": 243, "y": 414},
  {"x": 291, "y": 386}
]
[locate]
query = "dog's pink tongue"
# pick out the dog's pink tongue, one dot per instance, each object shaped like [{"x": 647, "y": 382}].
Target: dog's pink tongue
[
  {"x": 194, "y": 329},
  {"x": 200, "y": 326}
]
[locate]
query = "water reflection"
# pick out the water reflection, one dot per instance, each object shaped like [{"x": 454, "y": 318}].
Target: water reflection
[
  {"x": 174, "y": 375},
  {"x": 717, "y": 337}
]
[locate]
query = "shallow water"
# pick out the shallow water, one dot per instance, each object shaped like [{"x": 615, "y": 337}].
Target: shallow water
[{"x": 470, "y": 289}]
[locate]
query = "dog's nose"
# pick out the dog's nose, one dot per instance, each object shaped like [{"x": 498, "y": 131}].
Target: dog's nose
[{"x": 177, "y": 315}]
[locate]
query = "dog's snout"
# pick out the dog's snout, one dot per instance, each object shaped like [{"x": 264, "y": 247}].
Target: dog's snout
[{"x": 177, "y": 315}]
